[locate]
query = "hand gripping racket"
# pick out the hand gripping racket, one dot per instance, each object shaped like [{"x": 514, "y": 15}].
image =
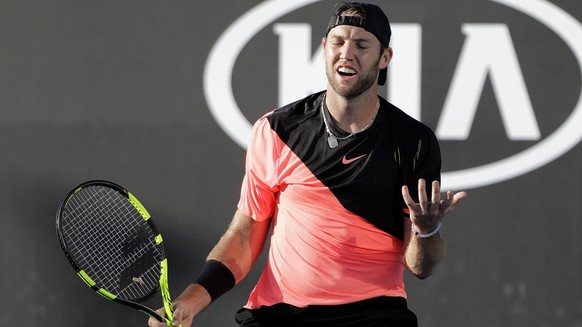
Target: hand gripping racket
[{"x": 111, "y": 241}]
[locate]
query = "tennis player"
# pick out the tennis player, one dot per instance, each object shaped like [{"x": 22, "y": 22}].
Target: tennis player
[{"x": 346, "y": 186}]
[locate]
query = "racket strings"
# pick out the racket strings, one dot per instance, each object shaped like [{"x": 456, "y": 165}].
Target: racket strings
[{"x": 109, "y": 239}]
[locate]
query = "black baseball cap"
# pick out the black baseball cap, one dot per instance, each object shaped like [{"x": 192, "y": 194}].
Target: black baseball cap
[{"x": 375, "y": 22}]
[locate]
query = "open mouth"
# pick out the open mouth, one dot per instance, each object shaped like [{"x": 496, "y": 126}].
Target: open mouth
[{"x": 345, "y": 71}]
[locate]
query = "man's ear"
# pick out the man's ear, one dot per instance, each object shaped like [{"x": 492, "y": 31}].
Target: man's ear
[{"x": 386, "y": 58}]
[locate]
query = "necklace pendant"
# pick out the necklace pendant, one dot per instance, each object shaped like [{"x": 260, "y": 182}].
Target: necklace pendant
[{"x": 332, "y": 142}]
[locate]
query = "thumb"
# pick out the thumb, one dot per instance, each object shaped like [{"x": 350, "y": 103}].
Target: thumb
[{"x": 177, "y": 317}]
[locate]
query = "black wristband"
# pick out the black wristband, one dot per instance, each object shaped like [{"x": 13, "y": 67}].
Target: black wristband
[{"x": 216, "y": 278}]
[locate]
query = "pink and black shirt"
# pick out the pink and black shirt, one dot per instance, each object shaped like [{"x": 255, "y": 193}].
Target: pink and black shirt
[{"x": 337, "y": 213}]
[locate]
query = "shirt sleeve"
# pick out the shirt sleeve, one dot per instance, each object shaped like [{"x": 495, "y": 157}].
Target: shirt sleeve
[
  {"x": 426, "y": 165},
  {"x": 427, "y": 162},
  {"x": 260, "y": 186}
]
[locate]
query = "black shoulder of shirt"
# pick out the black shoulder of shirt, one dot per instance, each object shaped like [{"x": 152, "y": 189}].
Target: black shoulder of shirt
[
  {"x": 403, "y": 122},
  {"x": 300, "y": 107},
  {"x": 311, "y": 103}
]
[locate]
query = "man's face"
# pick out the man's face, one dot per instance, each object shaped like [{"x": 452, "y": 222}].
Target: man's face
[{"x": 352, "y": 60}]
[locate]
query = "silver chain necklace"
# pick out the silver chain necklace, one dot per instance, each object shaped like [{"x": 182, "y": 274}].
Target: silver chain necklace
[{"x": 332, "y": 140}]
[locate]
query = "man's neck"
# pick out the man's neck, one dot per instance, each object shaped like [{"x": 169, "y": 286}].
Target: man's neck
[{"x": 351, "y": 115}]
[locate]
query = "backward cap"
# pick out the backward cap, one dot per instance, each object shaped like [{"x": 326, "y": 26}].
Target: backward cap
[{"x": 375, "y": 22}]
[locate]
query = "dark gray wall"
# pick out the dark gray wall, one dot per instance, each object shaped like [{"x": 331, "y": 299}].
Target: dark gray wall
[{"x": 114, "y": 90}]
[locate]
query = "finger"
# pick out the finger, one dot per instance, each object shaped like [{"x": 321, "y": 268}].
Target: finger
[
  {"x": 437, "y": 205},
  {"x": 457, "y": 197},
  {"x": 177, "y": 318},
  {"x": 452, "y": 200},
  {"x": 407, "y": 198},
  {"x": 422, "y": 197},
  {"x": 436, "y": 192},
  {"x": 153, "y": 322},
  {"x": 445, "y": 204}
]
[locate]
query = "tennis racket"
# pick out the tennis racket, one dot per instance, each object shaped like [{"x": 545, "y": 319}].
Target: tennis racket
[{"x": 113, "y": 244}]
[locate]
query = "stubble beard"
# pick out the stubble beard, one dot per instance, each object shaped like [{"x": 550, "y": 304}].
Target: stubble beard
[{"x": 364, "y": 83}]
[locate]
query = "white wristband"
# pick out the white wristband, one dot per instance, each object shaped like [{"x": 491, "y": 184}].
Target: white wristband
[{"x": 431, "y": 234}]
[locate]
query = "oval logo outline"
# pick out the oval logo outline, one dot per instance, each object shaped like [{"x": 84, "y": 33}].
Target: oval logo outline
[{"x": 223, "y": 107}]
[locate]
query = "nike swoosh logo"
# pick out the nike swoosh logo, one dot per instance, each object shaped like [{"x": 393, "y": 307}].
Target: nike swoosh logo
[{"x": 347, "y": 161}]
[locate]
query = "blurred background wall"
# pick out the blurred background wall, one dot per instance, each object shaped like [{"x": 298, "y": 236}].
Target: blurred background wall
[{"x": 159, "y": 95}]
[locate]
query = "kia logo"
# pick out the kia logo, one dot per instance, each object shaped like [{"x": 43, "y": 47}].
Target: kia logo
[{"x": 458, "y": 112}]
